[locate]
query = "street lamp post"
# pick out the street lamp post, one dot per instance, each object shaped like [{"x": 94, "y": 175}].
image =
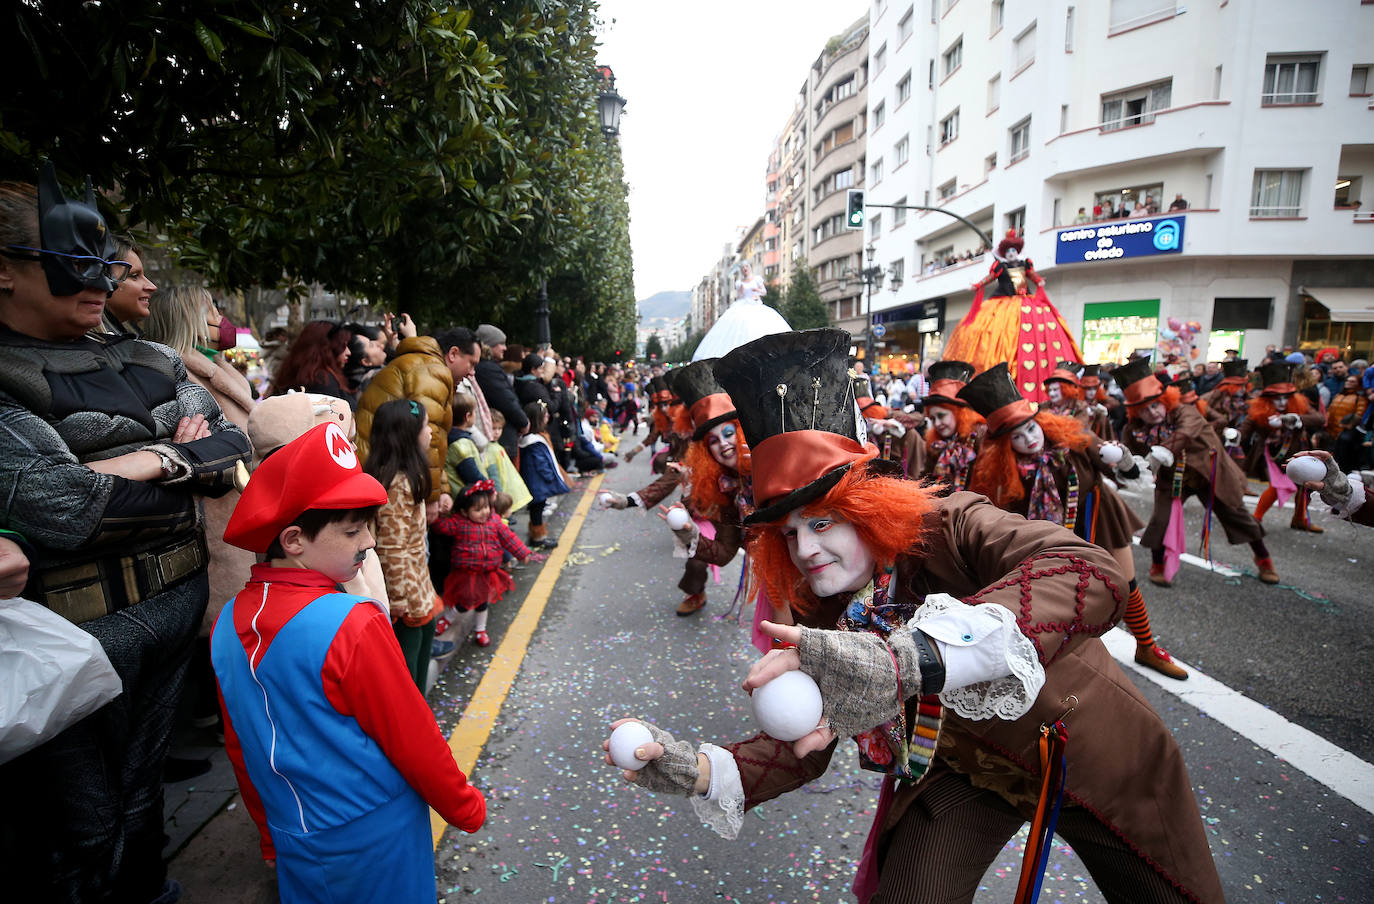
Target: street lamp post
[
  {"x": 609, "y": 103},
  {"x": 872, "y": 278},
  {"x": 543, "y": 336}
]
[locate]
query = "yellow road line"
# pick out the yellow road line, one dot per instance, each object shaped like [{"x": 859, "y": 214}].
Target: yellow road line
[{"x": 475, "y": 726}]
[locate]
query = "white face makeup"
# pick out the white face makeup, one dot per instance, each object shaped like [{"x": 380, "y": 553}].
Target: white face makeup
[
  {"x": 1154, "y": 413},
  {"x": 942, "y": 419},
  {"x": 1055, "y": 390},
  {"x": 1281, "y": 403},
  {"x": 720, "y": 442},
  {"x": 1028, "y": 439},
  {"x": 829, "y": 553}
]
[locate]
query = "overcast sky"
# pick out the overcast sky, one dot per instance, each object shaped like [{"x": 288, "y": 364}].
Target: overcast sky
[{"x": 709, "y": 86}]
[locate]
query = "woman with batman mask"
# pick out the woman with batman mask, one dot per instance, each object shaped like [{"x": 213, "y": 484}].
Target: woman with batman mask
[{"x": 106, "y": 448}]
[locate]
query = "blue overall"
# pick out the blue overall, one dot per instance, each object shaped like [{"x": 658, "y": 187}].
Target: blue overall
[{"x": 346, "y": 825}]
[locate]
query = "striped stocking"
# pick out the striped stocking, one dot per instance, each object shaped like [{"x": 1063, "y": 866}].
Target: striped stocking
[{"x": 1138, "y": 619}]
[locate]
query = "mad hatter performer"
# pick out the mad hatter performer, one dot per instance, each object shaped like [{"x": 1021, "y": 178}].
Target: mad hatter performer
[
  {"x": 1065, "y": 390},
  {"x": 1049, "y": 467},
  {"x": 1228, "y": 404},
  {"x": 1099, "y": 403},
  {"x": 955, "y": 430},
  {"x": 746, "y": 319},
  {"x": 943, "y": 633},
  {"x": 1018, "y": 324},
  {"x": 1281, "y": 424},
  {"x": 1189, "y": 460},
  {"x": 663, "y": 405},
  {"x": 896, "y": 434}
]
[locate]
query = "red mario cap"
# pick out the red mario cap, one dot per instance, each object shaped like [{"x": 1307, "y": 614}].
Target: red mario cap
[{"x": 317, "y": 470}]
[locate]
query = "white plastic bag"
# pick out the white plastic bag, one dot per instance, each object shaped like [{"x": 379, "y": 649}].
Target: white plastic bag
[{"x": 52, "y": 675}]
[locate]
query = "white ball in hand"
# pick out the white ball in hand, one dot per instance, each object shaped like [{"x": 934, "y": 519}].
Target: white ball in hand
[
  {"x": 1306, "y": 467},
  {"x": 625, "y": 740},
  {"x": 788, "y": 707},
  {"x": 606, "y": 499},
  {"x": 1111, "y": 453},
  {"x": 677, "y": 518}
]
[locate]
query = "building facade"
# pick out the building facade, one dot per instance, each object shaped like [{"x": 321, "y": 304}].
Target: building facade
[
  {"x": 1166, "y": 164},
  {"x": 838, "y": 109},
  {"x": 793, "y": 166}
]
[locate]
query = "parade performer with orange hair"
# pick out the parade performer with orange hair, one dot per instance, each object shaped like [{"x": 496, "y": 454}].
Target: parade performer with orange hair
[
  {"x": 1049, "y": 467},
  {"x": 944, "y": 634},
  {"x": 896, "y": 434},
  {"x": 1280, "y": 424},
  {"x": 1018, "y": 325},
  {"x": 955, "y": 429},
  {"x": 1227, "y": 404},
  {"x": 1188, "y": 459}
]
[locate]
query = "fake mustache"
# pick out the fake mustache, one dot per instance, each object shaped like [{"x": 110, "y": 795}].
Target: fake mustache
[{"x": 359, "y": 558}]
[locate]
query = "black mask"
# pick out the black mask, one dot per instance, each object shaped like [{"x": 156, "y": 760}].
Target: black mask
[{"x": 71, "y": 227}]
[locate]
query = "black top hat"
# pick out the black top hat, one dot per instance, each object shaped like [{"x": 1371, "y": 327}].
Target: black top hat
[
  {"x": 706, "y": 401},
  {"x": 1238, "y": 368},
  {"x": 1090, "y": 372},
  {"x": 994, "y": 395},
  {"x": 1277, "y": 378},
  {"x": 1138, "y": 381},
  {"x": 658, "y": 386},
  {"x": 946, "y": 379},
  {"x": 1184, "y": 384},
  {"x": 795, "y": 402},
  {"x": 1065, "y": 372}
]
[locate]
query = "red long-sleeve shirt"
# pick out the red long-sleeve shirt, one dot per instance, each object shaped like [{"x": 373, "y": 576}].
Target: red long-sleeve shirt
[{"x": 363, "y": 676}]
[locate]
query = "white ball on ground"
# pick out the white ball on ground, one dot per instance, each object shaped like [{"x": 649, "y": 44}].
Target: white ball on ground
[
  {"x": 677, "y": 518},
  {"x": 1111, "y": 453},
  {"x": 1305, "y": 468},
  {"x": 788, "y": 707},
  {"x": 625, "y": 740}
]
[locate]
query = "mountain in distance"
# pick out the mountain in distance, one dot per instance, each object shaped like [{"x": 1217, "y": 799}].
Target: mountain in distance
[{"x": 665, "y": 306}]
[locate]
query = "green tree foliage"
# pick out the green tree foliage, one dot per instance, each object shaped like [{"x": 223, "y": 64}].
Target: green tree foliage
[
  {"x": 436, "y": 159},
  {"x": 802, "y": 307},
  {"x": 772, "y": 296},
  {"x": 653, "y": 348}
]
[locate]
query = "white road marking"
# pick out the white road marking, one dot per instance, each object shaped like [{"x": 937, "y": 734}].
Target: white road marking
[
  {"x": 1337, "y": 769},
  {"x": 1189, "y": 559}
]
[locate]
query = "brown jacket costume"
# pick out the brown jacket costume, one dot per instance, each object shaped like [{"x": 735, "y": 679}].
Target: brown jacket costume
[
  {"x": 418, "y": 373},
  {"x": 1124, "y": 766},
  {"x": 1189, "y": 434},
  {"x": 1112, "y": 522}
]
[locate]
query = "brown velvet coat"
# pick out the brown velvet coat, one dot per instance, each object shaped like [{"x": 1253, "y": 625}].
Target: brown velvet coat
[
  {"x": 1115, "y": 522},
  {"x": 1124, "y": 766}
]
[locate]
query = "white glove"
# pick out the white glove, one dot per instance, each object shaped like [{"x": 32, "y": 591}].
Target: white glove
[
  {"x": 1100, "y": 410},
  {"x": 896, "y": 429},
  {"x": 1292, "y": 421},
  {"x": 1275, "y": 421},
  {"x": 877, "y": 428},
  {"x": 1163, "y": 456},
  {"x": 1231, "y": 436},
  {"x": 609, "y": 500},
  {"x": 1112, "y": 453}
]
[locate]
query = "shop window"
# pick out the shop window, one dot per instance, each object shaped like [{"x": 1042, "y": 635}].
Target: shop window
[
  {"x": 1114, "y": 330},
  {"x": 1242, "y": 313}
]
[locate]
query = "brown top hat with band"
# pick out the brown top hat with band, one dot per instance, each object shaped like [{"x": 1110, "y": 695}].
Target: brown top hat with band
[
  {"x": 1138, "y": 381},
  {"x": 1065, "y": 372},
  {"x": 659, "y": 391},
  {"x": 994, "y": 395},
  {"x": 1187, "y": 392},
  {"x": 1235, "y": 373},
  {"x": 868, "y": 406},
  {"x": 707, "y": 403},
  {"x": 795, "y": 402},
  {"x": 946, "y": 379},
  {"x": 1277, "y": 379},
  {"x": 1090, "y": 377}
]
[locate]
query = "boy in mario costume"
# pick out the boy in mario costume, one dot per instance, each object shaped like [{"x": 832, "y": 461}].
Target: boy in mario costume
[{"x": 336, "y": 752}]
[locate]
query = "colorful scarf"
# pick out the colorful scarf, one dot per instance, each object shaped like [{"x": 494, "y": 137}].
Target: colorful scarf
[
  {"x": 1044, "y": 503},
  {"x": 1153, "y": 435},
  {"x": 953, "y": 458},
  {"x": 892, "y": 748}
]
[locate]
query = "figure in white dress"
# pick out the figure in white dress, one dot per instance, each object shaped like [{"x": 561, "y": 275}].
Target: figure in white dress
[{"x": 747, "y": 319}]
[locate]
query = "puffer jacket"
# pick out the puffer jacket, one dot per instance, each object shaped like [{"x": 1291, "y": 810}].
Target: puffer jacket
[{"x": 418, "y": 373}]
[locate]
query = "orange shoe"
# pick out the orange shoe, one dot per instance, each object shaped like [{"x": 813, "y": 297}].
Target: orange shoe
[
  {"x": 1155, "y": 657},
  {"x": 691, "y": 605},
  {"x": 1303, "y": 524}
]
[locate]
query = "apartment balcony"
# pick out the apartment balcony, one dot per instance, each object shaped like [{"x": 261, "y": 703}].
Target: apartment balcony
[
  {"x": 1191, "y": 130},
  {"x": 974, "y": 202},
  {"x": 942, "y": 282}
]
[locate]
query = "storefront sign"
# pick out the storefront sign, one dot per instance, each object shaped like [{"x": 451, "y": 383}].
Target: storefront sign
[
  {"x": 1117, "y": 239},
  {"x": 928, "y": 316}
]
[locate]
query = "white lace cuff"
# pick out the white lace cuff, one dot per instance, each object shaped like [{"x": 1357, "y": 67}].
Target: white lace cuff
[
  {"x": 722, "y": 806},
  {"x": 1356, "y": 500},
  {"x": 991, "y": 669},
  {"x": 636, "y": 501}
]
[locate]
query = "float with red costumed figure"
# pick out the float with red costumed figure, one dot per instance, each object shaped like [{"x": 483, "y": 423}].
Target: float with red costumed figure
[{"x": 1017, "y": 324}]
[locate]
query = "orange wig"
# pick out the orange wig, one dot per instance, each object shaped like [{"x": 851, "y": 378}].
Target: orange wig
[
  {"x": 1262, "y": 408},
  {"x": 887, "y": 512},
  {"x": 705, "y": 498},
  {"x": 661, "y": 422},
  {"x": 966, "y": 421},
  {"x": 682, "y": 418},
  {"x": 1070, "y": 391},
  {"x": 994, "y": 470},
  {"x": 1170, "y": 399}
]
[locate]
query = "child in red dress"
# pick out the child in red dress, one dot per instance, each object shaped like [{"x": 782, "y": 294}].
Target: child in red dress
[{"x": 476, "y": 579}]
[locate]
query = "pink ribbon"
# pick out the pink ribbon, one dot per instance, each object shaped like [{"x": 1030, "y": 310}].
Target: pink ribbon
[
  {"x": 708, "y": 530},
  {"x": 866, "y": 879},
  {"x": 1282, "y": 485},
  {"x": 1175, "y": 543},
  {"x": 763, "y": 611}
]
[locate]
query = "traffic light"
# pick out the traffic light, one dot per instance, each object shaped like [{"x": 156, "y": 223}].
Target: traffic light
[{"x": 854, "y": 210}]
